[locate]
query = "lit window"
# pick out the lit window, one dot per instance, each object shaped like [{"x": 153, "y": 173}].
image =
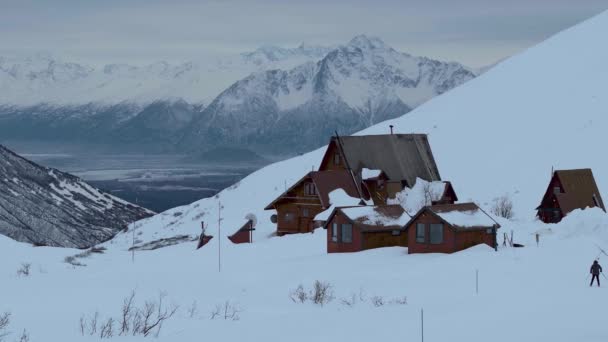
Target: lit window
[
  {"x": 347, "y": 233},
  {"x": 436, "y": 233},
  {"x": 334, "y": 232},
  {"x": 420, "y": 228}
]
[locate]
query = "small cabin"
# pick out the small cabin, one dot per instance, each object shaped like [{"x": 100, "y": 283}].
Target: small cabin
[
  {"x": 569, "y": 190},
  {"x": 449, "y": 228},
  {"x": 358, "y": 228},
  {"x": 297, "y": 206},
  {"x": 244, "y": 234}
]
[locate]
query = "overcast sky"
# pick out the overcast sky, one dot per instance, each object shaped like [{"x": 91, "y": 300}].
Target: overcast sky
[{"x": 474, "y": 32}]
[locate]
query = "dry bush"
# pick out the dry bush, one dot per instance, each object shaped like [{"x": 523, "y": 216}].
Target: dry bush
[
  {"x": 399, "y": 301},
  {"x": 503, "y": 207},
  {"x": 350, "y": 302},
  {"x": 74, "y": 259},
  {"x": 322, "y": 293},
  {"x": 5, "y": 321},
  {"x": 299, "y": 295},
  {"x": 25, "y": 336},
  {"x": 24, "y": 270},
  {"x": 134, "y": 320},
  {"x": 193, "y": 310},
  {"x": 377, "y": 301},
  {"x": 227, "y": 311}
]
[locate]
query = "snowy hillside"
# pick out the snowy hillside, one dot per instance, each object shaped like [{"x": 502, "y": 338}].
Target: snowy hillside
[
  {"x": 44, "y": 206},
  {"x": 354, "y": 86},
  {"x": 494, "y": 135}
]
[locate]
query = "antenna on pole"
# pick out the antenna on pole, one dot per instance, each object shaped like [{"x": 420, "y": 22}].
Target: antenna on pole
[{"x": 219, "y": 240}]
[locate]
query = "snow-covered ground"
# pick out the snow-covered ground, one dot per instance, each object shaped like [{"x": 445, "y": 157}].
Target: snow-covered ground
[{"x": 525, "y": 294}]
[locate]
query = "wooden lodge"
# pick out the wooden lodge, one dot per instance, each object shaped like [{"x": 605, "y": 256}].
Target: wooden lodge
[
  {"x": 244, "y": 234},
  {"x": 569, "y": 190},
  {"x": 450, "y": 228},
  {"x": 397, "y": 159},
  {"x": 354, "y": 229},
  {"x": 298, "y": 205}
]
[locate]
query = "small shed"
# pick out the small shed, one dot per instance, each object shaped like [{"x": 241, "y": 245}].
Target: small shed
[
  {"x": 449, "y": 228},
  {"x": 569, "y": 190},
  {"x": 244, "y": 234},
  {"x": 357, "y": 228}
]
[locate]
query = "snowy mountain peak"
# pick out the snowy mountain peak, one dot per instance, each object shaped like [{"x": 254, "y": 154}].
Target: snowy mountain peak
[{"x": 368, "y": 43}]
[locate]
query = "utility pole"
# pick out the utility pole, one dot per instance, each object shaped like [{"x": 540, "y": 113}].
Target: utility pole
[
  {"x": 134, "y": 226},
  {"x": 219, "y": 243}
]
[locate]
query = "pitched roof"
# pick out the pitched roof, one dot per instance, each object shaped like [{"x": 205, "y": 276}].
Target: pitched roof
[
  {"x": 464, "y": 216},
  {"x": 372, "y": 218},
  {"x": 400, "y": 156},
  {"x": 325, "y": 182},
  {"x": 579, "y": 188}
]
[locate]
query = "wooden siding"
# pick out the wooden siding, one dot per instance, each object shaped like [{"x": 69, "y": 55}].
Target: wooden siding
[
  {"x": 453, "y": 240},
  {"x": 384, "y": 239},
  {"x": 328, "y": 162},
  {"x": 549, "y": 210},
  {"x": 341, "y": 247}
]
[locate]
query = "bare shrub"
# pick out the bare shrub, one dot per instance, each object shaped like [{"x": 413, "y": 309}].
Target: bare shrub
[
  {"x": 24, "y": 270},
  {"x": 5, "y": 321},
  {"x": 503, "y": 207},
  {"x": 322, "y": 293},
  {"x": 399, "y": 301},
  {"x": 227, "y": 311},
  {"x": 193, "y": 310},
  {"x": 25, "y": 336},
  {"x": 377, "y": 301},
  {"x": 299, "y": 295},
  {"x": 74, "y": 260},
  {"x": 350, "y": 302},
  {"x": 144, "y": 320}
]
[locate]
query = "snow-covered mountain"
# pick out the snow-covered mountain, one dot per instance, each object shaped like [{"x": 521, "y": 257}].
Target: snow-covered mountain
[
  {"x": 45, "y": 206},
  {"x": 258, "y": 99},
  {"x": 354, "y": 86},
  {"x": 499, "y": 134}
]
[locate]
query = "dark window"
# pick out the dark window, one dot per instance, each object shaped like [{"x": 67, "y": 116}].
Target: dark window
[
  {"x": 305, "y": 212},
  {"x": 334, "y": 232},
  {"x": 420, "y": 228},
  {"x": 337, "y": 159},
  {"x": 347, "y": 233},
  {"x": 436, "y": 233},
  {"x": 310, "y": 189},
  {"x": 396, "y": 232},
  {"x": 557, "y": 190},
  {"x": 289, "y": 216},
  {"x": 557, "y": 215}
]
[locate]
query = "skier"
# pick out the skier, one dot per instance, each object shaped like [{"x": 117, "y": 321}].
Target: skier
[{"x": 595, "y": 270}]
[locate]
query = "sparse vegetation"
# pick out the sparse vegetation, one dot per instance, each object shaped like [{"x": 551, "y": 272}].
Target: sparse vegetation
[
  {"x": 227, "y": 311},
  {"x": 24, "y": 270},
  {"x": 74, "y": 260},
  {"x": 321, "y": 294},
  {"x": 503, "y": 207},
  {"x": 145, "y": 320}
]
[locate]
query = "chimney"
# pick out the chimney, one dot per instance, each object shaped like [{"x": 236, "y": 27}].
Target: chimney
[{"x": 391, "y": 126}]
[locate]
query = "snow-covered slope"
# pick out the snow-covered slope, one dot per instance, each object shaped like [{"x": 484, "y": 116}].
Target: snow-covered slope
[
  {"x": 44, "y": 206},
  {"x": 498, "y": 134},
  {"x": 352, "y": 87}
]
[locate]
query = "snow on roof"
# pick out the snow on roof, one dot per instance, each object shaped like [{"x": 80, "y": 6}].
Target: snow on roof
[
  {"x": 460, "y": 216},
  {"x": 337, "y": 198},
  {"x": 370, "y": 173},
  {"x": 420, "y": 195},
  {"x": 377, "y": 215}
]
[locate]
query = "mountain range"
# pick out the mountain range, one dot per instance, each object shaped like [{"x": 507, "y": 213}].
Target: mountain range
[
  {"x": 270, "y": 100},
  {"x": 45, "y": 206}
]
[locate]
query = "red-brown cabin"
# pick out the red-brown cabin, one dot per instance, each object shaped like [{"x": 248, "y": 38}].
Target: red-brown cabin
[
  {"x": 450, "y": 228},
  {"x": 297, "y": 207},
  {"x": 354, "y": 229},
  {"x": 396, "y": 159},
  {"x": 244, "y": 234},
  {"x": 569, "y": 190}
]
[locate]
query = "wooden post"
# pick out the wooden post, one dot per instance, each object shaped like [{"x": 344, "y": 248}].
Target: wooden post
[{"x": 422, "y": 324}]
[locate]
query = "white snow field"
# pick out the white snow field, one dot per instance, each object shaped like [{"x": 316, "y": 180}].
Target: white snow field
[{"x": 498, "y": 134}]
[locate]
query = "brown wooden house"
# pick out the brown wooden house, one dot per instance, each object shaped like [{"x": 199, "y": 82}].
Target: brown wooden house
[
  {"x": 298, "y": 205},
  {"x": 244, "y": 234},
  {"x": 569, "y": 190},
  {"x": 450, "y": 228},
  {"x": 398, "y": 158},
  {"x": 353, "y": 229}
]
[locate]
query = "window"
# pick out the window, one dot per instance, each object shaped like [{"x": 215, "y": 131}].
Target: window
[
  {"x": 420, "y": 228},
  {"x": 310, "y": 189},
  {"x": 557, "y": 190},
  {"x": 334, "y": 232},
  {"x": 436, "y": 233},
  {"x": 347, "y": 233},
  {"x": 396, "y": 232},
  {"x": 305, "y": 212},
  {"x": 490, "y": 231},
  {"x": 337, "y": 159},
  {"x": 289, "y": 216}
]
